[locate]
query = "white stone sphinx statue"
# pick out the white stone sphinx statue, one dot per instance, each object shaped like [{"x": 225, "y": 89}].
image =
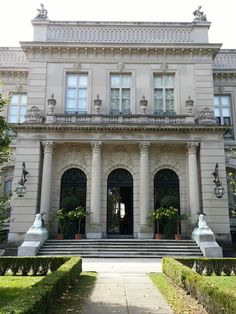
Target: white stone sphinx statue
[
  {"x": 34, "y": 238},
  {"x": 205, "y": 238}
]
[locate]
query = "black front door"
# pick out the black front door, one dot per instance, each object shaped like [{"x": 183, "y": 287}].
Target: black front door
[{"x": 120, "y": 203}]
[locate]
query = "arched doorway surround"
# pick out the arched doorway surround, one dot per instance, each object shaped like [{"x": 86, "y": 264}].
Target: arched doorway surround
[
  {"x": 73, "y": 194},
  {"x": 120, "y": 203},
  {"x": 166, "y": 192}
]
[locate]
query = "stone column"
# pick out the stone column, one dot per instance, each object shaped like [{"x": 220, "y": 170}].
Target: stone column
[
  {"x": 144, "y": 191},
  {"x": 193, "y": 181},
  {"x": 95, "y": 230},
  {"x": 45, "y": 203}
]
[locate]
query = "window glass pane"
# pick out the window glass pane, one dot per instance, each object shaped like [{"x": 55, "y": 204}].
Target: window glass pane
[
  {"x": 71, "y": 92},
  {"x": 169, "y": 100},
  {"x": 115, "y": 93},
  {"x": 71, "y": 105},
  {"x": 8, "y": 186},
  {"x": 216, "y": 100},
  {"x": 115, "y": 80},
  {"x": 126, "y": 80},
  {"x": 225, "y": 100},
  {"x": 83, "y": 80},
  {"x": 15, "y": 99},
  {"x": 158, "y": 82},
  {"x": 169, "y": 80},
  {"x": 82, "y": 105},
  {"x": 22, "y": 113},
  {"x": 82, "y": 93},
  {"x": 226, "y": 120},
  {"x": 225, "y": 112},
  {"x": 23, "y": 99},
  {"x": 217, "y": 112},
  {"x": 71, "y": 80}
]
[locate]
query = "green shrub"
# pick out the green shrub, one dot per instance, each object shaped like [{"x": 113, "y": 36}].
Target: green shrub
[
  {"x": 213, "y": 299},
  {"x": 30, "y": 265},
  {"x": 39, "y": 298}
]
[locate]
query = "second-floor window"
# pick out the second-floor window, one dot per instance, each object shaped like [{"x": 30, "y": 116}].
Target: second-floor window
[
  {"x": 222, "y": 106},
  {"x": 120, "y": 93},
  {"x": 164, "y": 93},
  {"x": 17, "y": 108},
  {"x": 76, "y": 93}
]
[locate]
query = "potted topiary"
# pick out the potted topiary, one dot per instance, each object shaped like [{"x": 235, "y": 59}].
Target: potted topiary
[
  {"x": 77, "y": 216},
  {"x": 156, "y": 216},
  {"x": 61, "y": 216}
]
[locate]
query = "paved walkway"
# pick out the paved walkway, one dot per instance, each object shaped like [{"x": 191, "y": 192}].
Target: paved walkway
[{"x": 123, "y": 287}]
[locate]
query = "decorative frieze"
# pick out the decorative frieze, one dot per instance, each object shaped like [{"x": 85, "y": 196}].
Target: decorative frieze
[{"x": 34, "y": 115}]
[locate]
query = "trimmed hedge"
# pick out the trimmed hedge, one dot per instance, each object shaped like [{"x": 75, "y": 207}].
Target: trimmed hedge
[
  {"x": 40, "y": 298},
  {"x": 210, "y": 266},
  {"x": 30, "y": 265},
  {"x": 212, "y": 298}
]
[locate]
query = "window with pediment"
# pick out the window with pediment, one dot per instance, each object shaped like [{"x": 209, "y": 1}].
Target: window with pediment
[
  {"x": 120, "y": 93},
  {"x": 164, "y": 94},
  {"x": 17, "y": 108},
  {"x": 77, "y": 93}
]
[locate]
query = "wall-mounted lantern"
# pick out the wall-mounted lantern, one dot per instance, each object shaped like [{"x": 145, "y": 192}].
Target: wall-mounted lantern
[
  {"x": 21, "y": 189},
  {"x": 218, "y": 190}
]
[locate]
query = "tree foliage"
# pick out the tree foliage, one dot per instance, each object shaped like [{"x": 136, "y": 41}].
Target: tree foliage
[{"x": 5, "y": 152}]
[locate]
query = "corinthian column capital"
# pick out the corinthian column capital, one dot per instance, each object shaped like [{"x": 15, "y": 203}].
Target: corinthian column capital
[
  {"x": 191, "y": 147},
  {"x": 144, "y": 146},
  {"x": 48, "y": 147},
  {"x": 96, "y": 146}
]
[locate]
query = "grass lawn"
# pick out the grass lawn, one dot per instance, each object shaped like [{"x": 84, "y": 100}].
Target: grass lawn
[
  {"x": 73, "y": 300},
  {"x": 12, "y": 286},
  {"x": 178, "y": 299},
  {"x": 227, "y": 283}
]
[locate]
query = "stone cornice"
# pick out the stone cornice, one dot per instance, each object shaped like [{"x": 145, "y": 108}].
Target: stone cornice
[
  {"x": 75, "y": 49},
  {"x": 164, "y": 128}
]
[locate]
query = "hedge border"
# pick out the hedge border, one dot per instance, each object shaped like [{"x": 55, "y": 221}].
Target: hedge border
[
  {"x": 40, "y": 298},
  {"x": 212, "y": 298},
  {"x": 25, "y": 265}
]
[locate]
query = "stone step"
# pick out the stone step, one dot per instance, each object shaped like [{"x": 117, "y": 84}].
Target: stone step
[{"x": 120, "y": 248}]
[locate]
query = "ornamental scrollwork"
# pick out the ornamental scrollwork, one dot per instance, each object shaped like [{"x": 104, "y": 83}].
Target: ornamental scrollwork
[{"x": 48, "y": 147}]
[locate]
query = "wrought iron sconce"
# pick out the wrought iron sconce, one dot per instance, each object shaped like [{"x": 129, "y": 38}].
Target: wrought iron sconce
[
  {"x": 21, "y": 189},
  {"x": 218, "y": 190}
]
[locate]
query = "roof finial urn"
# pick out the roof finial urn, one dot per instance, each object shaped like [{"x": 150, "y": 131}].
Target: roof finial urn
[
  {"x": 97, "y": 104},
  {"x": 143, "y": 104},
  {"x": 189, "y": 105},
  {"x": 51, "y": 104}
]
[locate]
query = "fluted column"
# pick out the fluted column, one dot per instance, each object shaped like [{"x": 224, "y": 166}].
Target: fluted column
[
  {"x": 144, "y": 192},
  {"x": 95, "y": 217},
  {"x": 45, "y": 203},
  {"x": 194, "y": 201}
]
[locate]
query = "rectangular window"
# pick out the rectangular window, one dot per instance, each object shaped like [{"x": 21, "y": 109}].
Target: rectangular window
[
  {"x": 164, "y": 93},
  {"x": 120, "y": 94},
  {"x": 76, "y": 93},
  {"x": 222, "y": 106},
  {"x": 17, "y": 108}
]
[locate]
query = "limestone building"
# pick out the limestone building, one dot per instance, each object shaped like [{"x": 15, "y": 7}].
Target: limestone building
[{"x": 123, "y": 116}]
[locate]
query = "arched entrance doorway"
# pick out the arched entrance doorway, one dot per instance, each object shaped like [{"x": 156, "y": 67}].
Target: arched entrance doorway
[
  {"x": 166, "y": 193},
  {"x": 73, "y": 194},
  {"x": 120, "y": 203}
]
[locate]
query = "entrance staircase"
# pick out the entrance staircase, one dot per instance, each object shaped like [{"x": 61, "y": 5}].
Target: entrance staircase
[{"x": 121, "y": 248}]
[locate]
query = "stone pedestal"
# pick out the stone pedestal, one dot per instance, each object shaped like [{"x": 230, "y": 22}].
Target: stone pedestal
[
  {"x": 205, "y": 239},
  {"x": 34, "y": 238}
]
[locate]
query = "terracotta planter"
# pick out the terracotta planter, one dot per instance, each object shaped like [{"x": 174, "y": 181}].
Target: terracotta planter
[
  {"x": 158, "y": 236},
  {"x": 78, "y": 236},
  {"x": 178, "y": 236},
  {"x": 60, "y": 236}
]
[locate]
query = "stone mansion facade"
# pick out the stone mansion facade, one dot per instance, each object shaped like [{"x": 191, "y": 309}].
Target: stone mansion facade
[{"x": 123, "y": 117}]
